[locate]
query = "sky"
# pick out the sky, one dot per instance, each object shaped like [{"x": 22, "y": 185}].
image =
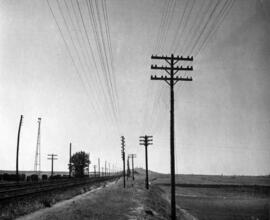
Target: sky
[{"x": 84, "y": 68}]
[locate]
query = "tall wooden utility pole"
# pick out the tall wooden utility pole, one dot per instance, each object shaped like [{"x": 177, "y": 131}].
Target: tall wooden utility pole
[
  {"x": 105, "y": 167},
  {"x": 171, "y": 80},
  {"x": 18, "y": 145},
  {"x": 37, "y": 164},
  {"x": 95, "y": 170},
  {"x": 123, "y": 158},
  {"x": 52, "y": 157},
  {"x": 146, "y": 140},
  {"x": 128, "y": 168},
  {"x": 98, "y": 167},
  {"x": 69, "y": 165},
  {"x": 132, "y": 156}
]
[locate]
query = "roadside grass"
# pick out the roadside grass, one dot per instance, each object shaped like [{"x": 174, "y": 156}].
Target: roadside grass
[{"x": 23, "y": 206}]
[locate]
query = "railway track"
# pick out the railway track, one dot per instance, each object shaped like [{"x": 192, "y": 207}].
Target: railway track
[{"x": 20, "y": 191}]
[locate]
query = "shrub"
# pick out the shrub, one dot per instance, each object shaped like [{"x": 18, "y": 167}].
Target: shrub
[
  {"x": 44, "y": 177},
  {"x": 34, "y": 177}
]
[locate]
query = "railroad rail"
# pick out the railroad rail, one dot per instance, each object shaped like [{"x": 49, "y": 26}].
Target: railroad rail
[{"x": 40, "y": 187}]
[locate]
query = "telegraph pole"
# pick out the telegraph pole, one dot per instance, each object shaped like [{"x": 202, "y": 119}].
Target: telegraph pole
[
  {"x": 37, "y": 164},
  {"x": 98, "y": 167},
  {"x": 132, "y": 156},
  {"x": 128, "y": 169},
  {"x": 52, "y": 158},
  {"x": 69, "y": 165},
  {"x": 105, "y": 167},
  {"x": 123, "y": 157},
  {"x": 171, "y": 80},
  {"x": 95, "y": 170},
  {"x": 18, "y": 145},
  {"x": 146, "y": 140}
]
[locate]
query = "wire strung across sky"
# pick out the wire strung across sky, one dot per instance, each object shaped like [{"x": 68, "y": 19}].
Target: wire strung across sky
[
  {"x": 194, "y": 29},
  {"x": 78, "y": 22}
]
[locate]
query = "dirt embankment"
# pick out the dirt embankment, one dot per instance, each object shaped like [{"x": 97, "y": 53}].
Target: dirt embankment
[{"x": 111, "y": 202}]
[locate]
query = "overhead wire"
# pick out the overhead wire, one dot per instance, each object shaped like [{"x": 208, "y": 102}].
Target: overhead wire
[
  {"x": 161, "y": 26},
  {"x": 102, "y": 54},
  {"x": 99, "y": 49},
  {"x": 108, "y": 36},
  {"x": 86, "y": 58},
  {"x": 76, "y": 50},
  {"x": 69, "y": 52},
  {"x": 106, "y": 57},
  {"x": 91, "y": 48},
  {"x": 216, "y": 27},
  {"x": 179, "y": 26},
  {"x": 205, "y": 26},
  {"x": 168, "y": 25}
]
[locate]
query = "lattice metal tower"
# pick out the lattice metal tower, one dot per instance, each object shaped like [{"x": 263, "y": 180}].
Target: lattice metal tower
[{"x": 37, "y": 166}]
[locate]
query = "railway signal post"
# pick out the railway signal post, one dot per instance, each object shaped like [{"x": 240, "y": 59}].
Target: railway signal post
[
  {"x": 171, "y": 79},
  {"x": 146, "y": 140},
  {"x": 52, "y": 157},
  {"x": 123, "y": 158}
]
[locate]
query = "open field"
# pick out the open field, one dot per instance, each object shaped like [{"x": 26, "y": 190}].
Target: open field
[
  {"x": 221, "y": 197},
  {"x": 29, "y": 173}
]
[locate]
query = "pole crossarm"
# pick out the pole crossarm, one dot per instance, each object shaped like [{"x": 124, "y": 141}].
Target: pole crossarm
[
  {"x": 177, "y": 58},
  {"x": 176, "y": 78},
  {"x": 176, "y": 68}
]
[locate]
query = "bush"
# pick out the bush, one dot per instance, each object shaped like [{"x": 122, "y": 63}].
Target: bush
[
  {"x": 9, "y": 177},
  {"x": 44, "y": 177},
  {"x": 22, "y": 177},
  {"x": 34, "y": 177}
]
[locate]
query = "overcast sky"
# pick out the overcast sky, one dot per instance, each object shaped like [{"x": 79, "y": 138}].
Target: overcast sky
[{"x": 92, "y": 85}]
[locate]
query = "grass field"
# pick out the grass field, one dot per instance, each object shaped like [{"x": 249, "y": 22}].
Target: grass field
[{"x": 221, "y": 203}]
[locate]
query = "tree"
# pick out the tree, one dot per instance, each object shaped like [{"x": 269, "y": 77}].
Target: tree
[{"x": 79, "y": 161}]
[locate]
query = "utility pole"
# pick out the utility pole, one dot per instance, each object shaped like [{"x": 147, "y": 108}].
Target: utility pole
[
  {"x": 37, "y": 165},
  {"x": 123, "y": 158},
  {"x": 128, "y": 168},
  {"x": 132, "y": 156},
  {"x": 171, "y": 80},
  {"x": 102, "y": 174},
  {"x": 98, "y": 167},
  {"x": 69, "y": 165},
  {"x": 146, "y": 140},
  {"x": 95, "y": 170},
  {"x": 18, "y": 145},
  {"x": 52, "y": 158},
  {"x": 105, "y": 167},
  {"x": 89, "y": 164}
]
